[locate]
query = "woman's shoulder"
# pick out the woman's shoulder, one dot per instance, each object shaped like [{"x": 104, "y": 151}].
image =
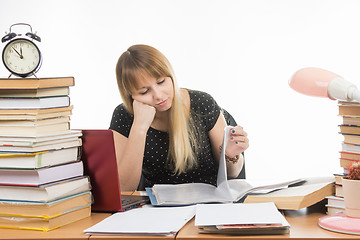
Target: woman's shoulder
[
  {"x": 200, "y": 99},
  {"x": 121, "y": 112},
  {"x": 121, "y": 120},
  {"x": 202, "y": 102},
  {"x": 199, "y": 96},
  {"x": 203, "y": 105},
  {"x": 121, "y": 108}
]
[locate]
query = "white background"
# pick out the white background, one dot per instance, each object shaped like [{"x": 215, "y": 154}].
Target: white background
[{"x": 241, "y": 52}]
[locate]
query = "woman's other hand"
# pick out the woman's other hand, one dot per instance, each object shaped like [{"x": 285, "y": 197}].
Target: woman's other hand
[{"x": 238, "y": 141}]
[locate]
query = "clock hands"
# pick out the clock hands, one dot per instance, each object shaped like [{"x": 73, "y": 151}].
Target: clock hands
[{"x": 21, "y": 56}]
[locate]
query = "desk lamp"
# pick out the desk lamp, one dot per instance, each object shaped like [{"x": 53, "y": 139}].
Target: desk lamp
[{"x": 322, "y": 83}]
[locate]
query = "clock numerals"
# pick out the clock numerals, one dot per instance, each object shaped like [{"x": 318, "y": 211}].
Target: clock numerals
[{"x": 21, "y": 57}]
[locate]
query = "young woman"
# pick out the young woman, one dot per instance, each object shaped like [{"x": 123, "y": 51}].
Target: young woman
[{"x": 164, "y": 133}]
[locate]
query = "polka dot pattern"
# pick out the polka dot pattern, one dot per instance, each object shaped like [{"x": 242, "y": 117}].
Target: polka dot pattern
[{"x": 156, "y": 167}]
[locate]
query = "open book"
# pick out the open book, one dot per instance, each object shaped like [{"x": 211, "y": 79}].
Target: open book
[{"x": 226, "y": 191}]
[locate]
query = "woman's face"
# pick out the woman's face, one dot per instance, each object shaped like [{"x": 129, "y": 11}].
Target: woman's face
[{"x": 158, "y": 93}]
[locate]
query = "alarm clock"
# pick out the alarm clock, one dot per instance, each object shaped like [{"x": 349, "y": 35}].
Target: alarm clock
[{"x": 21, "y": 56}]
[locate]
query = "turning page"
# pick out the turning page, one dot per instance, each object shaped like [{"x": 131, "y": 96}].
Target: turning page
[{"x": 192, "y": 193}]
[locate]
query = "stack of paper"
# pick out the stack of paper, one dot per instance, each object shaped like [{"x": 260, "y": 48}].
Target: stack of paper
[
  {"x": 240, "y": 219},
  {"x": 144, "y": 221}
]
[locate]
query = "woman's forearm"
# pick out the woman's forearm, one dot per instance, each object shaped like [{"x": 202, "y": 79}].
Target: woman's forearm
[{"x": 130, "y": 153}]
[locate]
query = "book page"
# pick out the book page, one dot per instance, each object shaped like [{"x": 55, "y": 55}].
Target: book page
[
  {"x": 241, "y": 187},
  {"x": 187, "y": 193},
  {"x": 223, "y": 188}
]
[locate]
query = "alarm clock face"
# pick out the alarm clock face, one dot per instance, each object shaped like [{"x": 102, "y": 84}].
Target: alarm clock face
[{"x": 21, "y": 57}]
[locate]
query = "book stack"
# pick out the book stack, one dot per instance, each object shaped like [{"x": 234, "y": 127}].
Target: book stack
[
  {"x": 350, "y": 150},
  {"x": 42, "y": 182}
]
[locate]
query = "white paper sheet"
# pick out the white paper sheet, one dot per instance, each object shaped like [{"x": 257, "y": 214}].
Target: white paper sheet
[
  {"x": 238, "y": 213},
  {"x": 144, "y": 221}
]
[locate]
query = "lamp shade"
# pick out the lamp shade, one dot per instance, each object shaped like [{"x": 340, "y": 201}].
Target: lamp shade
[{"x": 322, "y": 83}]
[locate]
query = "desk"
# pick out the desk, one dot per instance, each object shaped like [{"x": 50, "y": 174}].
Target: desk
[{"x": 303, "y": 225}]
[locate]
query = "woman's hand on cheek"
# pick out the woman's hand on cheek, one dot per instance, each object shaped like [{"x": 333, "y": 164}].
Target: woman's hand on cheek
[
  {"x": 238, "y": 141},
  {"x": 143, "y": 114}
]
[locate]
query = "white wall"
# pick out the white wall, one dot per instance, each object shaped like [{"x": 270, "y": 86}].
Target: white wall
[{"x": 241, "y": 52}]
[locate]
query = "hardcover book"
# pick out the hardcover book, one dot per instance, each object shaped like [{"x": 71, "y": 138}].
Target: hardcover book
[
  {"x": 36, "y": 177},
  {"x": 31, "y": 93},
  {"x": 34, "y": 103},
  {"x": 312, "y": 191},
  {"x": 34, "y": 160},
  {"x": 34, "y": 83},
  {"x": 34, "y": 114},
  {"x": 43, "y": 223},
  {"x": 45, "y": 209},
  {"x": 45, "y": 192}
]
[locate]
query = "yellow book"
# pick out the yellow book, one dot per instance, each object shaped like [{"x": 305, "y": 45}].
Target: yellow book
[
  {"x": 45, "y": 209},
  {"x": 44, "y": 223},
  {"x": 36, "y": 160}
]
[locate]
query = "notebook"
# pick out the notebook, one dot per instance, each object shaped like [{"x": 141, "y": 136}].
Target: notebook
[{"x": 98, "y": 156}]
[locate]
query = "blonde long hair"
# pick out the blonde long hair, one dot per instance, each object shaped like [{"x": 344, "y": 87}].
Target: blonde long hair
[{"x": 132, "y": 65}]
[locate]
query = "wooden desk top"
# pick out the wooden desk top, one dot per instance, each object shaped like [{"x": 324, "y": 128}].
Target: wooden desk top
[
  {"x": 67, "y": 232},
  {"x": 303, "y": 225}
]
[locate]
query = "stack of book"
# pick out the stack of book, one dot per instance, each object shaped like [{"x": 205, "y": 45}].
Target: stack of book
[
  {"x": 350, "y": 150},
  {"x": 42, "y": 182}
]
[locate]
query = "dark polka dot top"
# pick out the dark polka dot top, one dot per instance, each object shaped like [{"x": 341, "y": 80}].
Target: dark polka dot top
[{"x": 156, "y": 169}]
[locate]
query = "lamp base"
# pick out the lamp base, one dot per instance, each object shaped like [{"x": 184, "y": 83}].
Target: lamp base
[{"x": 341, "y": 223}]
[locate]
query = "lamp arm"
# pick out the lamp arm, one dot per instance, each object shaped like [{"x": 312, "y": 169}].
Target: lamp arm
[
  {"x": 342, "y": 89},
  {"x": 356, "y": 95}
]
